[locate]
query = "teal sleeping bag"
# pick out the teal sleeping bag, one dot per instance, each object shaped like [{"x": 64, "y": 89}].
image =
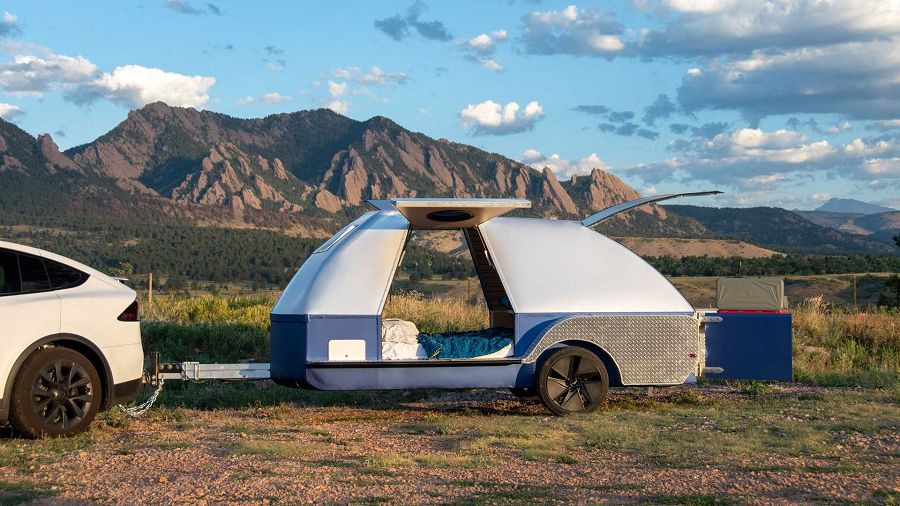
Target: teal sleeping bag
[{"x": 470, "y": 344}]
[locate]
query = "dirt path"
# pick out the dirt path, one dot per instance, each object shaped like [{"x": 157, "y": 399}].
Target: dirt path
[{"x": 674, "y": 446}]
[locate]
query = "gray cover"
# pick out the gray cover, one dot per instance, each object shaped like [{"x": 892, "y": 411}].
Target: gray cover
[{"x": 759, "y": 294}]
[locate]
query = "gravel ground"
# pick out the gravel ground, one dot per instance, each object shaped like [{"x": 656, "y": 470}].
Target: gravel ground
[{"x": 471, "y": 447}]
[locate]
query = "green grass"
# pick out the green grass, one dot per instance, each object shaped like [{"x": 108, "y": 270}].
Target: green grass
[
  {"x": 833, "y": 347},
  {"x": 248, "y": 394},
  {"x": 676, "y": 435},
  {"x": 273, "y": 449},
  {"x": 21, "y": 492}
]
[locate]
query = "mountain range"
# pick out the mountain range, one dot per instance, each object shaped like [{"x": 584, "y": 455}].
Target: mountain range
[
  {"x": 852, "y": 206},
  {"x": 308, "y": 172}
]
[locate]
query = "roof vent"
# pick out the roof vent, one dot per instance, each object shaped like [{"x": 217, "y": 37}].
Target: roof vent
[{"x": 450, "y": 215}]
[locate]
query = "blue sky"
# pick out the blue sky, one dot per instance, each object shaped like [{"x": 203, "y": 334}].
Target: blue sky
[{"x": 785, "y": 102}]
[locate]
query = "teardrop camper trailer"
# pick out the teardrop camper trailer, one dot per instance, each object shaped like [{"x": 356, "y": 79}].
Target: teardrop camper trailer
[{"x": 580, "y": 311}]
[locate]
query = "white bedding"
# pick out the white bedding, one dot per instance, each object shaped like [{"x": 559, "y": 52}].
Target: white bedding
[{"x": 399, "y": 341}]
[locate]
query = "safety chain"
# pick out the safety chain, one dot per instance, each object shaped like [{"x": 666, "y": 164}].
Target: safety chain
[{"x": 146, "y": 405}]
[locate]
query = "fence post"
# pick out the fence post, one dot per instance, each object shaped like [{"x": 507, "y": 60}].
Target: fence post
[{"x": 150, "y": 290}]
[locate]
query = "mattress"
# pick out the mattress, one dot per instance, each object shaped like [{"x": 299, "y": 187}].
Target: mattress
[{"x": 401, "y": 340}]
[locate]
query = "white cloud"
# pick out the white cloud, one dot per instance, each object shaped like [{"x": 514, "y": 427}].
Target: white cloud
[
  {"x": 884, "y": 125},
  {"x": 265, "y": 98},
  {"x": 356, "y": 81},
  {"x": 752, "y": 158},
  {"x": 489, "y": 63},
  {"x": 564, "y": 169},
  {"x": 375, "y": 76},
  {"x": 10, "y": 111},
  {"x": 492, "y": 118},
  {"x": 840, "y": 79},
  {"x": 483, "y": 44},
  {"x": 710, "y": 27},
  {"x": 339, "y": 106},
  {"x": 836, "y": 129},
  {"x": 135, "y": 86},
  {"x": 274, "y": 98},
  {"x": 703, "y": 6},
  {"x": 336, "y": 89},
  {"x": 36, "y": 70},
  {"x": 482, "y": 47},
  {"x": 570, "y": 31},
  {"x": 43, "y": 70},
  {"x": 883, "y": 167},
  {"x": 768, "y": 57}
]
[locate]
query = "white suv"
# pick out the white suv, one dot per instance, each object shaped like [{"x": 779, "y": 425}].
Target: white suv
[{"x": 70, "y": 342}]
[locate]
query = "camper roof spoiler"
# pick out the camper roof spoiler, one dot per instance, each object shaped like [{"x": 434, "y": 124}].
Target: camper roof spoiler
[
  {"x": 448, "y": 213},
  {"x": 609, "y": 212}
]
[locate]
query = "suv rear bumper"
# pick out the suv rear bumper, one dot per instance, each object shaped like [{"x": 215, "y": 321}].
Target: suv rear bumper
[{"x": 126, "y": 391}]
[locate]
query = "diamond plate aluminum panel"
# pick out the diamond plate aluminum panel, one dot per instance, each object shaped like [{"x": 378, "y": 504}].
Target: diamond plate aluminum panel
[{"x": 648, "y": 349}]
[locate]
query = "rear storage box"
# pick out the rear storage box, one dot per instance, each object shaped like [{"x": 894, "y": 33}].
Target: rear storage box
[
  {"x": 753, "y": 340},
  {"x": 750, "y": 294}
]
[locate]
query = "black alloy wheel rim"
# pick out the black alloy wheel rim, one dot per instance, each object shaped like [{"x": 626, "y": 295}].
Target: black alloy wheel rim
[
  {"x": 575, "y": 383},
  {"x": 62, "y": 394}
]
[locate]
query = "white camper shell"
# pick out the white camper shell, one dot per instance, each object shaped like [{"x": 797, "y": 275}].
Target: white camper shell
[{"x": 583, "y": 311}]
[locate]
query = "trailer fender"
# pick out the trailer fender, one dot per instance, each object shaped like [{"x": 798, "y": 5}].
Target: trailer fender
[{"x": 644, "y": 349}]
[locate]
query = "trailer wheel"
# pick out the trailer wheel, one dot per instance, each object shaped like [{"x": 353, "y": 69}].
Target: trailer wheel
[
  {"x": 573, "y": 380},
  {"x": 527, "y": 394},
  {"x": 56, "y": 393}
]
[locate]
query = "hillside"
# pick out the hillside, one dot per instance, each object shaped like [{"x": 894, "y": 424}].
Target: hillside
[
  {"x": 680, "y": 248},
  {"x": 780, "y": 229},
  {"x": 880, "y": 226}
]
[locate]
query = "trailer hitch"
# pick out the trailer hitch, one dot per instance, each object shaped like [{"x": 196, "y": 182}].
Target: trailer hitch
[{"x": 196, "y": 371}]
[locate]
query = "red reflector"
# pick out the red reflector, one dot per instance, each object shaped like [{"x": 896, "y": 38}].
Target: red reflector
[
  {"x": 693, "y": 355},
  {"x": 131, "y": 313}
]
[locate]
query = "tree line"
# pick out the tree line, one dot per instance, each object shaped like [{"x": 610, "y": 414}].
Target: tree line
[{"x": 269, "y": 258}]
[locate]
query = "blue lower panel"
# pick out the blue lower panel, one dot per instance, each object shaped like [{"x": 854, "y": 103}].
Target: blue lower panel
[
  {"x": 750, "y": 346},
  {"x": 298, "y": 339},
  {"x": 393, "y": 378}
]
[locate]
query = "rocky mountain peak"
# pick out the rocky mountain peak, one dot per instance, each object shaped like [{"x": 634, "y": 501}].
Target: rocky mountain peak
[
  {"x": 307, "y": 164},
  {"x": 54, "y": 160}
]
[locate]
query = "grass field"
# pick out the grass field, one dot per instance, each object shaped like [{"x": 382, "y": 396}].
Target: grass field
[
  {"x": 833, "y": 436},
  {"x": 832, "y": 346}
]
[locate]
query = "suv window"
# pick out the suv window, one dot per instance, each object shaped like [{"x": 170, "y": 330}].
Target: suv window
[
  {"x": 9, "y": 273},
  {"x": 34, "y": 275},
  {"x": 63, "y": 276}
]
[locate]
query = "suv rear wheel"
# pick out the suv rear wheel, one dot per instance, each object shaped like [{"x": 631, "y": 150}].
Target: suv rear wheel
[{"x": 56, "y": 393}]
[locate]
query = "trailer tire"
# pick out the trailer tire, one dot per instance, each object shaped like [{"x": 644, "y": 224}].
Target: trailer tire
[
  {"x": 573, "y": 380},
  {"x": 526, "y": 394},
  {"x": 57, "y": 392}
]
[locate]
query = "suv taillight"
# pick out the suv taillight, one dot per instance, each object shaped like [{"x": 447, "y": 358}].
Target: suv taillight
[{"x": 131, "y": 313}]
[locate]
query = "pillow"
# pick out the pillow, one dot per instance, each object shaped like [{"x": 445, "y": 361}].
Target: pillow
[{"x": 394, "y": 330}]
